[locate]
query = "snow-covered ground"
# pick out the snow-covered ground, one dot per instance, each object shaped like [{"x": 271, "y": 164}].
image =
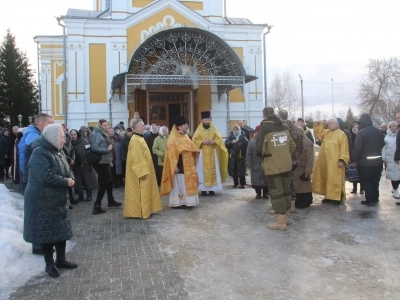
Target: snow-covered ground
[{"x": 17, "y": 263}]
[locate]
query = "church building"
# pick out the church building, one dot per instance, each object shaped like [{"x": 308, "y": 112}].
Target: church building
[{"x": 160, "y": 58}]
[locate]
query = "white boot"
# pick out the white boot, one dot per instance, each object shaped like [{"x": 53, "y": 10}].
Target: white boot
[{"x": 396, "y": 194}]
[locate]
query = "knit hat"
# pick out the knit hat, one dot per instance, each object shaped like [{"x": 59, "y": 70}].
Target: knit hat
[{"x": 52, "y": 134}]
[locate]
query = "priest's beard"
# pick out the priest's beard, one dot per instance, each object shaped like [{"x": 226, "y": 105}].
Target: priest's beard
[{"x": 206, "y": 126}]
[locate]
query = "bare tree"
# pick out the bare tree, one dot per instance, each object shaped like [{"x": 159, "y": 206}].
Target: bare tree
[
  {"x": 379, "y": 91},
  {"x": 283, "y": 94}
]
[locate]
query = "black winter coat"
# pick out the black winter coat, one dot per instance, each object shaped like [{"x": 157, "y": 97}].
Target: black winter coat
[
  {"x": 368, "y": 144},
  {"x": 46, "y": 217},
  {"x": 80, "y": 149},
  {"x": 237, "y": 155}
]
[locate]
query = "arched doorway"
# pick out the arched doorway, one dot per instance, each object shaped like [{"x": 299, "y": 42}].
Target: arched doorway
[{"x": 168, "y": 70}]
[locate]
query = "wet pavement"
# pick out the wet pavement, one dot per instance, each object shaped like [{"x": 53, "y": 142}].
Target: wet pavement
[{"x": 222, "y": 249}]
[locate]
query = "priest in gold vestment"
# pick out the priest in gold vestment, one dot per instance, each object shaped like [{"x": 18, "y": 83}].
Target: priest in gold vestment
[
  {"x": 142, "y": 197},
  {"x": 328, "y": 177},
  {"x": 212, "y": 165},
  {"x": 179, "y": 178}
]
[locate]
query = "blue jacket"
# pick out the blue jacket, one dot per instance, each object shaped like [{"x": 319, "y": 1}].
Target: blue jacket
[{"x": 30, "y": 134}]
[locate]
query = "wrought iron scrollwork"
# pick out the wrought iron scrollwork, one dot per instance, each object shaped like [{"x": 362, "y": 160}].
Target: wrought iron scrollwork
[{"x": 186, "y": 52}]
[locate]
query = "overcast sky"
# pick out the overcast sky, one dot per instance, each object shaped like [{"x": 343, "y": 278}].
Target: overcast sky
[{"x": 318, "y": 39}]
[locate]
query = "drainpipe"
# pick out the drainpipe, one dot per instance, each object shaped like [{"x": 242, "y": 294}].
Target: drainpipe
[
  {"x": 38, "y": 76},
  {"x": 265, "y": 63},
  {"x": 65, "y": 104},
  {"x": 228, "y": 111},
  {"x": 110, "y": 107}
]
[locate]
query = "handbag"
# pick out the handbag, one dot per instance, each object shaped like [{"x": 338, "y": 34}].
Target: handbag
[
  {"x": 352, "y": 173},
  {"x": 92, "y": 157}
]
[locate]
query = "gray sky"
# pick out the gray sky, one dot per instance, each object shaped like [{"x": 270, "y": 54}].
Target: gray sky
[{"x": 318, "y": 39}]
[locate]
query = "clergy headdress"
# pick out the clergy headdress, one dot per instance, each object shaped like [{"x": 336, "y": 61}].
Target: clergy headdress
[
  {"x": 179, "y": 121},
  {"x": 205, "y": 114}
]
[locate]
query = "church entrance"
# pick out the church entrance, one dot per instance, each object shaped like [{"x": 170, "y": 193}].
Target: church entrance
[{"x": 165, "y": 107}]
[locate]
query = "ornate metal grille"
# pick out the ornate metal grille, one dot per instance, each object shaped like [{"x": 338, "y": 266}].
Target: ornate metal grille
[{"x": 185, "y": 56}]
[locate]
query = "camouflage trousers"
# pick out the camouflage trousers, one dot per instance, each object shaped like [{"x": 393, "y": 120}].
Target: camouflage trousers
[
  {"x": 280, "y": 192},
  {"x": 293, "y": 190}
]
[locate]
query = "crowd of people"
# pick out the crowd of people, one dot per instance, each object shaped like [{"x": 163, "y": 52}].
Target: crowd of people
[{"x": 52, "y": 164}]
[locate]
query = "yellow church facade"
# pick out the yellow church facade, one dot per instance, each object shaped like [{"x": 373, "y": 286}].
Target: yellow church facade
[{"x": 161, "y": 58}]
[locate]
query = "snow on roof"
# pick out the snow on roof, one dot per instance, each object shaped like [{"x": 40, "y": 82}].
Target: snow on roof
[{"x": 81, "y": 13}]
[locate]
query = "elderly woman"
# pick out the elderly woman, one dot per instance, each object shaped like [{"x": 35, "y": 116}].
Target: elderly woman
[
  {"x": 329, "y": 175},
  {"x": 253, "y": 161},
  {"x": 46, "y": 218},
  {"x": 150, "y": 142},
  {"x": 236, "y": 143},
  {"x": 392, "y": 169},
  {"x": 159, "y": 146},
  {"x": 82, "y": 170},
  {"x": 86, "y": 133}
]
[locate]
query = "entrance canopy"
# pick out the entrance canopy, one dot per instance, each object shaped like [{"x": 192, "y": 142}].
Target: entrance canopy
[{"x": 184, "y": 56}]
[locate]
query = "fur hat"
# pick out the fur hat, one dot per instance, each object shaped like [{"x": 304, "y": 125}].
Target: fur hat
[{"x": 52, "y": 134}]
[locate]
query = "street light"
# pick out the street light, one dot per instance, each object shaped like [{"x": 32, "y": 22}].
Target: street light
[
  {"x": 20, "y": 119},
  {"x": 30, "y": 120},
  {"x": 302, "y": 99},
  {"x": 333, "y": 113}
]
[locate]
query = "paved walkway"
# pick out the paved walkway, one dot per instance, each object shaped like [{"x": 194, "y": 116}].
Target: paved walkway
[{"x": 221, "y": 249}]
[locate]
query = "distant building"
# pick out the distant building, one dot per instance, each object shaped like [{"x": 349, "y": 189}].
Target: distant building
[{"x": 161, "y": 58}]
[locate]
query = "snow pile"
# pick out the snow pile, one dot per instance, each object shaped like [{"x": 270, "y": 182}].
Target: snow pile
[{"x": 17, "y": 263}]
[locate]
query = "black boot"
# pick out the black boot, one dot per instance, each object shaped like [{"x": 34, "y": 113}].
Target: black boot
[
  {"x": 258, "y": 192},
  {"x": 89, "y": 195},
  {"x": 71, "y": 197},
  {"x": 354, "y": 191},
  {"x": 265, "y": 193},
  {"x": 112, "y": 202},
  {"x": 80, "y": 196},
  {"x": 51, "y": 269},
  {"x": 121, "y": 180},
  {"x": 97, "y": 210},
  {"x": 61, "y": 262}
]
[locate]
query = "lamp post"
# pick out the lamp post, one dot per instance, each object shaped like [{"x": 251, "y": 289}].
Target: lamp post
[
  {"x": 333, "y": 112},
  {"x": 20, "y": 120},
  {"x": 302, "y": 99},
  {"x": 265, "y": 63},
  {"x": 30, "y": 120}
]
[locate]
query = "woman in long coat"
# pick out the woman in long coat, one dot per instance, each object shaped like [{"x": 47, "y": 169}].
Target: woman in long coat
[
  {"x": 353, "y": 132},
  {"x": 46, "y": 217},
  {"x": 237, "y": 143},
  {"x": 253, "y": 162},
  {"x": 159, "y": 146},
  {"x": 150, "y": 138},
  {"x": 392, "y": 169},
  {"x": 302, "y": 174},
  {"x": 82, "y": 170}
]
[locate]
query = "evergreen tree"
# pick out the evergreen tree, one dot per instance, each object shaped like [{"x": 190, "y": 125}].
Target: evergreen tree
[
  {"x": 18, "y": 90},
  {"x": 349, "y": 118}
]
